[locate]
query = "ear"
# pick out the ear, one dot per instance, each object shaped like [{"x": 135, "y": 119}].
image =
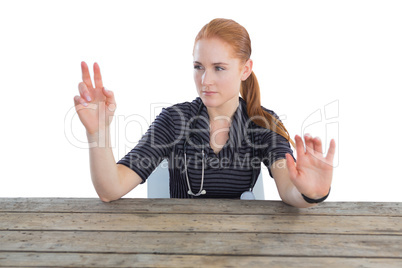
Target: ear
[{"x": 247, "y": 69}]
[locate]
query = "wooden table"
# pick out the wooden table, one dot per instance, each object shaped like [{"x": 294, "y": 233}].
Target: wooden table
[{"x": 197, "y": 233}]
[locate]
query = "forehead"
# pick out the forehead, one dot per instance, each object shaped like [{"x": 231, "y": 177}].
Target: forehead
[{"x": 212, "y": 50}]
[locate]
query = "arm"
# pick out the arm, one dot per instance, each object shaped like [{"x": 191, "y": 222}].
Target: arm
[
  {"x": 312, "y": 175},
  {"x": 111, "y": 180},
  {"x": 95, "y": 107}
]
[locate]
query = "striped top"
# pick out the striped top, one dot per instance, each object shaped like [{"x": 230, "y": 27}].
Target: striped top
[{"x": 226, "y": 174}]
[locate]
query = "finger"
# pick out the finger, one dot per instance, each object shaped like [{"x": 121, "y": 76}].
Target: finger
[
  {"x": 110, "y": 100},
  {"x": 290, "y": 162},
  {"x": 109, "y": 96},
  {"x": 299, "y": 146},
  {"x": 97, "y": 76},
  {"x": 317, "y": 146},
  {"x": 331, "y": 152},
  {"x": 79, "y": 101},
  {"x": 309, "y": 144},
  {"x": 84, "y": 92},
  {"x": 86, "y": 77}
]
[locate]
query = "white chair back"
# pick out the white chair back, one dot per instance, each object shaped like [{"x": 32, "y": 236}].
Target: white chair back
[{"x": 158, "y": 183}]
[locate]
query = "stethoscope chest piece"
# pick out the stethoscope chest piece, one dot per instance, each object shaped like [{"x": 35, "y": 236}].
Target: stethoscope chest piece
[
  {"x": 197, "y": 194},
  {"x": 247, "y": 195}
]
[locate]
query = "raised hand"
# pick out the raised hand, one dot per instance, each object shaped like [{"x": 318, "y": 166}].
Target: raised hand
[
  {"x": 95, "y": 105},
  {"x": 312, "y": 174}
]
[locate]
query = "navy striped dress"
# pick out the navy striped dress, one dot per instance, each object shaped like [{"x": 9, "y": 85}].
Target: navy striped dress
[{"x": 227, "y": 174}]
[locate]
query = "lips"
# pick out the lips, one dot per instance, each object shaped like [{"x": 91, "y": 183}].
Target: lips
[{"x": 208, "y": 93}]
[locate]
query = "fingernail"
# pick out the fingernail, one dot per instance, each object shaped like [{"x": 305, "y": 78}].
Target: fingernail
[
  {"x": 89, "y": 98},
  {"x": 85, "y": 104}
]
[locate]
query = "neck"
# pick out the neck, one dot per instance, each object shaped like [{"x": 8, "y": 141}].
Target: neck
[{"x": 224, "y": 112}]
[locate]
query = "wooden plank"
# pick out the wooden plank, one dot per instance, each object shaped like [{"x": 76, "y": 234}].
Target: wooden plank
[
  {"x": 202, "y": 223},
  {"x": 241, "y": 244},
  {"x": 156, "y": 260},
  {"x": 195, "y": 206}
]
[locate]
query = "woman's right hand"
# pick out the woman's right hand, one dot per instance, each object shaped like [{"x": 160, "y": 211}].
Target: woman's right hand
[{"x": 95, "y": 105}]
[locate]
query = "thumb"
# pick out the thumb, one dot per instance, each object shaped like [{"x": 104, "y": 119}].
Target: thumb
[
  {"x": 110, "y": 100},
  {"x": 290, "y": 162}
]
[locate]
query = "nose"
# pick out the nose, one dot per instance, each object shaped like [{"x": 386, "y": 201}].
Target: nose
[{"x": 206, "y": 78}]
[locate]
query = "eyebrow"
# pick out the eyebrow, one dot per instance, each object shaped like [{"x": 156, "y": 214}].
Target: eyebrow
[{"x": 216, "y": 63}]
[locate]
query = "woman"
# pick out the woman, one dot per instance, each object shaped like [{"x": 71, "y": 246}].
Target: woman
[{"x": 214, "y": 144}]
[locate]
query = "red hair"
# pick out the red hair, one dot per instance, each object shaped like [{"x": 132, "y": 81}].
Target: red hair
[{"x": 237, "y": 37}]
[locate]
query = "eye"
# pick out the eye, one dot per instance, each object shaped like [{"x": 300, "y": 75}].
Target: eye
[
  {"x": 197, "y": 67},
  {"x": 219, "y": 68}
]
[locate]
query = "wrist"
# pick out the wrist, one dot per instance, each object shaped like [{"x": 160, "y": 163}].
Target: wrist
[
  {"x": 316, "y": 199},
  {"x": 101, "y": 138}
]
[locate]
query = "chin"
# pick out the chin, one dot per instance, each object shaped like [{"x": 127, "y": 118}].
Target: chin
[{"x": 210, "y": 102}]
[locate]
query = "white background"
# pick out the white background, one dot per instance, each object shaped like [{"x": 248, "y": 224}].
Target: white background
[{"x": 338, "y": 59}]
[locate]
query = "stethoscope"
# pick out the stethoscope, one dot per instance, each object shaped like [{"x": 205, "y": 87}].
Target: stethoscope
[{"x": 247, "y": 195}]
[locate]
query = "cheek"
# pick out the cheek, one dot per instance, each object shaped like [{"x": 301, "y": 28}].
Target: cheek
[
  {"x": 230, "y": 82},
  {"x": 197, "y": 78}
]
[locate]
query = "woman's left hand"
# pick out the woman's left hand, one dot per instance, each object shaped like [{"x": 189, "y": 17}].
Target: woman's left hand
[{"x": 312, "y": 174}]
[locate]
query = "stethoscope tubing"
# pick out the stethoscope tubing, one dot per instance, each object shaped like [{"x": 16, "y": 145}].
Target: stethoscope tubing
[{"x": 202, "y": 191}]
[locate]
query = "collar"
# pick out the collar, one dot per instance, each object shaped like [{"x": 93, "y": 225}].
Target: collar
[{"x": 237, "y": 130}]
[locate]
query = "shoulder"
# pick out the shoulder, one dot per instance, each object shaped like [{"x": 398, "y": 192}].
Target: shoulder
[
  {"x": 270, "y": 112},
  {"x": 180, "y": 113},
  {"x": 184, "y": 107},
  {"x": 244, "y": 108},
  {"x": 252, "y": 124}
]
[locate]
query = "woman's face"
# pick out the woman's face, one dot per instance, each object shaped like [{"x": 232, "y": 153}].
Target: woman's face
[{"x": 217, "y": 74}]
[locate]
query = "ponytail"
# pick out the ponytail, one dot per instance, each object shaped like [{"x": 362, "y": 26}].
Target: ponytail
[
  {"x": 237, "y": 37},
  {"x": 250, "y": 92}
]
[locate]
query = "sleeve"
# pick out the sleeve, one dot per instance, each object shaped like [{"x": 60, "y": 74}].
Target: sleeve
[
  {"x": 275, "y": 147},
  {"x": 155, "y": 145}
]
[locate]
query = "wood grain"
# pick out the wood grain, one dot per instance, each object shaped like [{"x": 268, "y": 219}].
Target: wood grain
[
  {"x": 74, "y": 232},
  {"x": 241, "y": 244},
  {"x": 195, "y": 206},
  {"x": 202, "y": 223},
  {"x": 156, "y": 260}
]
